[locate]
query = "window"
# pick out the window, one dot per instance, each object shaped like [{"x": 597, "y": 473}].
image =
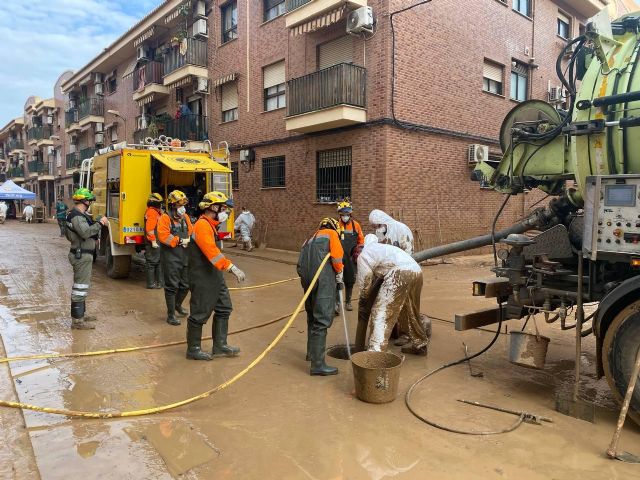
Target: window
[
  {"x": 229, "y": 15},
  {"x": 519, "y": 81},
  {"x": 113, "y": 134},
  {"x": 70, "y": 190},
  {"x": 273, "y": 9},
  {"x": 273, "y": 172},
  {"x": 522, "y": 6},
  {"x": 274, "y": 86},
  {"x": 229, "y": 102},
  {"x": 492, "y": 74},
  {"x": 112, "y": 82},
  {"x": 235, "y": 179},
  {"x": 563, "y": 25},
  {"x": 333, "y": 174}
]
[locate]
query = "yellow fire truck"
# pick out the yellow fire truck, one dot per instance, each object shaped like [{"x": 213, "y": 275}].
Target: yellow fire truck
[{"x": 123, "y": 176}]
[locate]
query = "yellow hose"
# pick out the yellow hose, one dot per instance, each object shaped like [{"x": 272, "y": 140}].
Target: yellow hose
[
  {"x": 252, "y": 287},
  {"x": 164, "y": 408}
]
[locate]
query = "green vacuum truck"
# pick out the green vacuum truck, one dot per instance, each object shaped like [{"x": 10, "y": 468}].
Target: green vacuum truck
[{"x": 584, "y": 245}]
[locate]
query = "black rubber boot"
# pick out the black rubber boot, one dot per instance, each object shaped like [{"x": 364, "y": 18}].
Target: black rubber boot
[
  {"x": 180, "y": 296},
  {"x": 348, "y": 291},
  {"x": 158, "y": 277},
  {"x": 151, "y": 278},
  {"x": 171, "y": 308},
  {"x": 220, "y": 347},
  {"x": 318, "y": 344},
  {"x": 194, "y": 343},
  {"x": 77, "y": 317}
]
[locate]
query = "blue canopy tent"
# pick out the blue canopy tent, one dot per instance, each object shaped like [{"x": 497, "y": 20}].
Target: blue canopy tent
[{"x": 11, "y": 191}]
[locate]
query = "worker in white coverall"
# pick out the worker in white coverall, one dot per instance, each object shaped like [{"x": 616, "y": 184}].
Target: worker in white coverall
[
  {"x": 3, "y": 212},
  {"x": 391, "y": 231},
  {"x": 244, "y": 225},
  {"x": 27, "y": 213},
  {"x": 390, "y": 282}
]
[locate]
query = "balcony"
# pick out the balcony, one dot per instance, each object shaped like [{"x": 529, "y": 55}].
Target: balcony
[
  {"x": 46, "y": 170},
  {"x": 33, "y": 167},
  {"x": 189, "y": 127},
  {"x": 90, "y": 110},
  {"x": 40, "y": 135},
  {"x": 71, "y": 120},
  {"x": 302, "y": 11},
  {"x": 87, "y": 153},
  {"x": 73, "y": 161},
  {"x": 14, "y": 144},
  {"x": 147, "y": 81},
  {"x": 16, "y": 172},
  {"x": 178, "y": 67},
  {"x": 330, "y": 98}
]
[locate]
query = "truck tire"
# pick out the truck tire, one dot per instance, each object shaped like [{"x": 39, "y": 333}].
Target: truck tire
[
  {"x": 619, "y": 352},
  {"x": 117, "y": 266}
]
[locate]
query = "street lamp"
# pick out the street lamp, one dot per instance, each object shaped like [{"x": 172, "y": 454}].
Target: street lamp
[{"x": 116, "y": 113}]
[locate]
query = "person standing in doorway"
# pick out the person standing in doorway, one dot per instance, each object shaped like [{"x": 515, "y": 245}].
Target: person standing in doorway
[
  {"x": 174, "y": 233},
  {"x": 82, "y": 231},
  {"x": 151, "y": 247},
  {"x": 61, "y": 215},
  {"x": 209, "y": 292},
  {"x": 244, "y": 225},
  {"x": 350, "y": 237}
]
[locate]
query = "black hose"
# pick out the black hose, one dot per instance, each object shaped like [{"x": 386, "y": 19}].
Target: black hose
[{"x": 407, "y": 398}]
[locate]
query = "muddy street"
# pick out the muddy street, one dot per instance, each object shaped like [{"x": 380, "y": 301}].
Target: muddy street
[{"x": 276, "y": 421}]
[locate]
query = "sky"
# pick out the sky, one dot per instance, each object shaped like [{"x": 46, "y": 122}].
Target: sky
[{"x": 40, "y": 39}]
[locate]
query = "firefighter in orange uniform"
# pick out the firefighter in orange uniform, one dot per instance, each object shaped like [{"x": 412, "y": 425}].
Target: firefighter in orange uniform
[
  {"x": 351, "y": 237},
  {"x": 209, "y": 292},
  {"x": 321, "y": 301},
  {"x": 151, "y": 248},
  {"x": 174, "y": 234}
]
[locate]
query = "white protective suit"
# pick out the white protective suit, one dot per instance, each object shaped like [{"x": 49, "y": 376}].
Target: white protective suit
[
  {"x": 399, "y": 278},
  {"x": 27, "y": 213},
  {"x": 245, "y": 223},
  {"x": 398, "y": 233},
  {"x": 3, "y": 212}
]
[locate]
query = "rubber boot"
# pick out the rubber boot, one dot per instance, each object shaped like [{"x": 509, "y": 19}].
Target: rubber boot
[
  {"x": 77, "y": 317},
  {"x": 180, "y": 296},
  {"x": 151, "y": 278},
  {"x": 348, "y": 291},
  {"x": 318, "y": 345},
  {"x": 171, "y": 308},
  {"x": 220, "y": 347},
  {"x": 157, "y": 271},
  {"x": 194, "y": 343}
]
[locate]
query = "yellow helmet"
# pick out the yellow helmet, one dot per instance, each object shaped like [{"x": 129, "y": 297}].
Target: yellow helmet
[
  {"x": 215, "y": 198},
  {"x": 177, "y": 197},
  {"x": 330, "y": 223},
  {"x": 155, "y": 199},
  {"x": 345, "y": 206}
]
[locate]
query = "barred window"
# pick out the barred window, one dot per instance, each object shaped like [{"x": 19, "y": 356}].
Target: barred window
[
  {"x": 333, "y": 174},
  {"x": 273, "y": 172},
  {"x": 235, "y": 180}
]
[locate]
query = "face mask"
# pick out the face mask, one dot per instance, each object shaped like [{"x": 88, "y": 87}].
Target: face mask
[
  {"x": 181, "y": 211},
  {"x": 223, "y": 216},
  {"x": 345, "y": 218},
  {"x": 381, "y": 232}
]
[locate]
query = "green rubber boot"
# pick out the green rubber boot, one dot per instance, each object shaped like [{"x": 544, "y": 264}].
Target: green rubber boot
[
  {"x": 318, "y": 344},
  {"x": 220, "y": 347},
  {"x": 194, "y": 343}
]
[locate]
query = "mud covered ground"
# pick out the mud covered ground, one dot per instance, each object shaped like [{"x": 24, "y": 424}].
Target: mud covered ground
[{"x": 276, "y": 421}]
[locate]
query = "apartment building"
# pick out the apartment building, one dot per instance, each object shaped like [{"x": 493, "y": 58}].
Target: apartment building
[{"x": 387, "y": 116}]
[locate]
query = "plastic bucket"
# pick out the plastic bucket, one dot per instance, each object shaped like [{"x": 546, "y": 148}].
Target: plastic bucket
[
  {"x": 527, "y": 349},
  {"x": 376, "y": 376}
]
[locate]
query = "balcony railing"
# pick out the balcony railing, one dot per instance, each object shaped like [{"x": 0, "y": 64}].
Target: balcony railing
[
  {"x": 15, "y": 144},
  {"x": 293, "y": 4},
  {"x": 45, "y": 168},
  {"x": 151, "y": 72},
  {"x": 196, "y": 55},
  {"x": 70, "y": 116},
  {"x": 33, "y": 166},
  {"x": 16, "y": 171},
  {"x": 90, "y": 106},
  {"x": 342, "y": 84},
  {"x": 73, "y": 160},
  {"x": 87, "y": 153},
  {"x": 188, "y": 127},
  {"x": 40, "y": 133}
]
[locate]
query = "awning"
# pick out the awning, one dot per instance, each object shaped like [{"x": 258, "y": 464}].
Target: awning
[
  {"x": 189, "y": 162},
  {"x": 183, "y": 81},
  {"x": 325, "y": 20},
  {"x": 226, "y": 79},
  {"x": 144, "y": 36},
  {"x": 146, "y": 100},
  {"x": 130, "y": 69}
]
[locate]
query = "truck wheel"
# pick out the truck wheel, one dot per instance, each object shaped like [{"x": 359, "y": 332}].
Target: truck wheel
[
  {"x": 619, "y": 353},
  {"x": 117, "y": 266}
]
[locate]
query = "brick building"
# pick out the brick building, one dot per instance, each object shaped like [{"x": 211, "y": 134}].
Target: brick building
[{"x": 313, "y": 114}]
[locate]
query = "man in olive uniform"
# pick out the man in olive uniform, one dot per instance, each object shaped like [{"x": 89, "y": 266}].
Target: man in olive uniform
[
  {"x": 209, "y": 292},
  {"x": 174, "y": 232},
  {"x": 82, "y": 231}
]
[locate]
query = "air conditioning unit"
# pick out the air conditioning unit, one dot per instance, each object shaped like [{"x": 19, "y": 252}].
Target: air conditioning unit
[
  {"x": 142, "y": 53},
  {"x": 97, "y": 89},
  {"x": 200, "y": 28},
  {"x": 360, "y": 20},
  {"x": 51, "y": 151},
  {"x": 202, "y": 85},
  {"x": 98, "y": 77},
  {"x": 247, "y": 155},
  {"x": 99, "y": 139},
  {"x": 555, "y": 94},
  {"x": 49, "y": 119},
  {"x": 99, "y": 127},
  {"x": 570, "y": 51},
  {"x": 201, "y": 9},
  {"x": 72, "y": 148},
  {"x": 477, "y": 153}
]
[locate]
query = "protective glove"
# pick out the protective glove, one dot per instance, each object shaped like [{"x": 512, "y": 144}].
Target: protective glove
[
  {"x": 154, "y": 244},
  {"x": 104, "y": 221},
  {"x": 340, "y": 278},
  {"x": 239, "y": 274},
  {"x": 185, "y": 242}
]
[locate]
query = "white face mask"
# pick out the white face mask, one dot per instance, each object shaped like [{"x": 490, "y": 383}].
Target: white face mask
[
  {"x": 381, "y": 232},
  {"x": 223, "y": 216},
  {"x": 181, "y": 211},
  {"x": 345, "y": 218}
]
